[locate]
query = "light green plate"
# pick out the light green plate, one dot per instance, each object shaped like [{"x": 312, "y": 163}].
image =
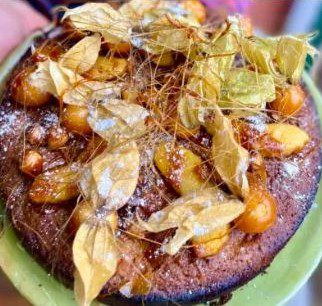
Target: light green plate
[{"x": 289, "y": 271}]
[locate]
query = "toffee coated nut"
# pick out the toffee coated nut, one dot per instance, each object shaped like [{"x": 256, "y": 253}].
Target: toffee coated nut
[
  {"x": 32, "y": 163},
  {"x": 107, "y": 68},
  {"x": 57, "y": 138},
  {"x": 75, "y": 119},
  {"x": 289, "y": 100},
  {"x": 120, "y": 48},
  {"x": 25, "y": 93},
  {"x": 291, "y": 138}
]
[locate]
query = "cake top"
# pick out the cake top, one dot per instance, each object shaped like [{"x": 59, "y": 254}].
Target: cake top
[{"x": 150, "y": 78}]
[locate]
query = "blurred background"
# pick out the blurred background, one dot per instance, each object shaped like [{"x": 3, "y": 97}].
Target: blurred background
[{"x": 268, "y": 16}]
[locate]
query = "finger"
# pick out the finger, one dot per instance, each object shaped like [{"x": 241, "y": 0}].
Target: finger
[{"x": 17, "y": 20}]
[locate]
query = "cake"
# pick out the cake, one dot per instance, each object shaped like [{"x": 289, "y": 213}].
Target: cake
[{"x": 151, "y": 156}]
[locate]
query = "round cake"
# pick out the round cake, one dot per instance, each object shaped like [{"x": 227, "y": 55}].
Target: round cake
[{"x": 151, "y": 154}]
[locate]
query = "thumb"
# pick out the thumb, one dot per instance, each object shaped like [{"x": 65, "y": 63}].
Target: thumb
[{"x": 17, "y": 20}]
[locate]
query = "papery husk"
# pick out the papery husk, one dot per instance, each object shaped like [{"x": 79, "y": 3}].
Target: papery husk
[
  {"x": 195, "y": 214},
  {"x": 111, "y": 178},
  {"x": 230, "y": 159},
  {"x": 86, "y": 93},
  {"x": 100, "y": 18},
  {"x": 83, "y": 55},
  {"x": 282, "y": 57},
  {"x": 201, "y": 92},
  {"x": 118, "y": 120},
  {"x": 291, "y": 55},
  {"x": 169, "y": 33},
  {"x": 135, "y": 9},
  {"x": 96, "y": 256},
  {"x": 244, "y": 89},
  {"x": 41, "y": 78}
]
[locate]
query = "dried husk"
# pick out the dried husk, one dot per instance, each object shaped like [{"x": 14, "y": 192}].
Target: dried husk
[
  {"x": 111, "y": 178},
  {"x": 282, "y": 56},
  {"x": 82, "y": 56},
  {"x": 169, "y": 33},
  {"x": 62, "y": 78},
  {"x": 117, "y": 120},
  {"x": 195, "y": 214},
  {"x": 291, "y": 55},
  {"x": 100, "y": 18},
  {"x": 230, "y": 159},
  {"x": 96, "y": 256},
  {"x": 85, "y": 93},
  {"x": 244, "y": 89},
  {"x": 201, "y": 92},
  {"x": 135, "y": 9},
  {"x": 260, "y": 53}
]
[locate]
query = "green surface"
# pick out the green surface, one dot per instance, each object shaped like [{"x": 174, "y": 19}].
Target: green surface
[{"x": 289, "y": 271}]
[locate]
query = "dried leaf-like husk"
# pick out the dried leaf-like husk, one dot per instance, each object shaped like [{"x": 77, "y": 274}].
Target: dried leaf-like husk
[
  {"x": 117, "y": 120},
  {"x": 244, "y": 88},
  {"x": 223, "y": 51},
  {"x": 194, "y": 214},
  {"x": 82, "y": 56},
  {"x": 62, "y": 78},
  {"x": 100, "y": 18},
  {"x": 169, "y": 33},
  {"x": 201, "y": 92},
  {"x": 111, "y": 178},
  {"x": 135, "y": 9},
  {"x": 260, "y": 53},
  {"x": 291, "y": 55},
  {"x": 284, "y": 54},
  {"x": 231, "y": 160},
  {"x": 87, "y": 92},
  {"x": 96, "y": 256},
  {"x": 42, "y": 79}
]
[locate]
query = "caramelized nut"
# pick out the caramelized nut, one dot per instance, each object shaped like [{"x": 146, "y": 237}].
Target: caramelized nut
[
  {"x": 107, "y": 68},
  {"x": 84, "y": 210},
  {"x": 181, "y": 167},
  {"x": 260, "y": 213},
  {"x": 120, "y": 48},
  {"x": 36, "y": 135},
  {"x": 32, "y": 163},
  {"x": 26, "y": 94},
  {"x": 57, "y": 138},
  {"x": 55, "y": 186},
  {"x": 196, "y": 8},
  {"x": 163, "y": 60},
  {"x": 289, "y": 100},
  {"x": 211, "y": 247},
  {"x": 216, "y": 234},
  {"x": 291, "y": 139},
  {"x": 75, "y": 119}
]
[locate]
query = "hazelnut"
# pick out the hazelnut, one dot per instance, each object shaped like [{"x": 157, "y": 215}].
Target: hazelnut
[
  {"x": 57, "y": 138},
  {"x": 120, "y": 48},
  {"x": 291, "y": 138},
  {"x": 211, "y": 243},
  {"x": 84, "y": 210},
  {"x": 32, "y": 163},
  {"x": 26, "y": 94},
  {"x": 75, "y": 119}
]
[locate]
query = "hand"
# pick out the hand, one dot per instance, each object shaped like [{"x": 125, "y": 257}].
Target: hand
[{"x": 17, "y": 21}]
